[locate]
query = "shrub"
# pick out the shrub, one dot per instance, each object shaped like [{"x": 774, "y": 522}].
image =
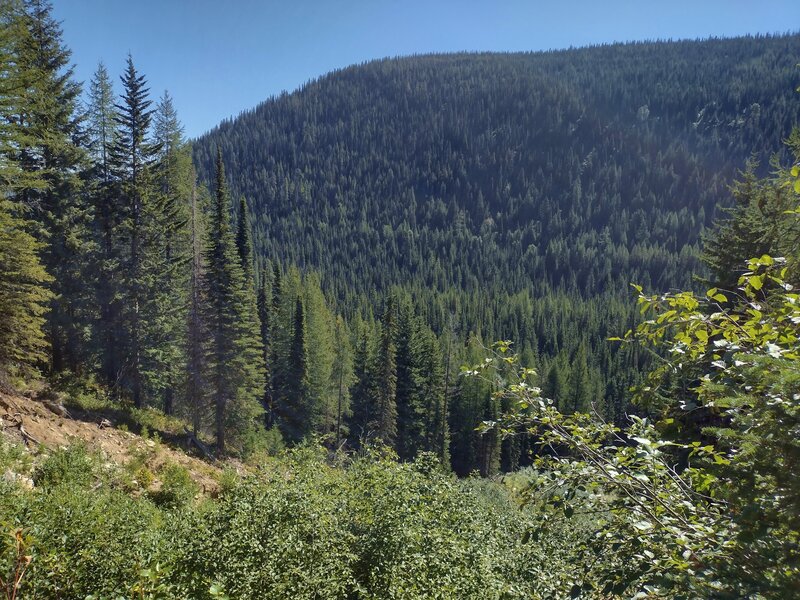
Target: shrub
[
  {"x": 177, "y": 487},
  {"x": 71, "y": 465}
]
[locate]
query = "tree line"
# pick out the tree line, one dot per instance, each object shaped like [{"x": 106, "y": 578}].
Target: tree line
[{"x": 121, "y": 263}]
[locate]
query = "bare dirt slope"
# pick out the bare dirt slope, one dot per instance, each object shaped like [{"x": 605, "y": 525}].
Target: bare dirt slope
[{"x": 39, "y": 420}]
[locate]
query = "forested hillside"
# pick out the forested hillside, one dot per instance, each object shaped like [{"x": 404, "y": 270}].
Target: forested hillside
[
  {"x": 497, "y": 196},
  {"x": 577, "y": 170},
  {"x": 315, "y": 313}
]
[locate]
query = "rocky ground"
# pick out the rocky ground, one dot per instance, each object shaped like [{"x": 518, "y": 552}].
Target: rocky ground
[{"x": 41, "y": 422}]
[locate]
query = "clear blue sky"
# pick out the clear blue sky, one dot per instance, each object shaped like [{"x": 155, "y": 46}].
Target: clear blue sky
[{"x": 219, "y": 57}]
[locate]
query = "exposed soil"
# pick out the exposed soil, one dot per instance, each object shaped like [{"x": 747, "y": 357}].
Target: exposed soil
[{"x": 39, "y": 420}]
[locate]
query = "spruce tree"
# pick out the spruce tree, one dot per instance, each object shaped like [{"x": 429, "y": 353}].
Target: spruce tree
[
  {"x": 265, "y": 323},
  {"x": 24, "y": 294},
  {"x": 362, "y": 393},
  {"x": 342, "y": 377},
  {"x": 297, "y": 411},
  {"x": 102, "y": 127},
  {"x": 236, "y": 376},
  {"x": 132, "y": 158},
  {"x": 384, "y": 423},
  {"x": 197, "y": 335},
  {"x": 59, "y": 207}
]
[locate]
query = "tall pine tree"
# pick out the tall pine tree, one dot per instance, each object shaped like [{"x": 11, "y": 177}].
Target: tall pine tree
[
  {"x": 60, "y": 206},
  {"x": 236, "y": 376}
]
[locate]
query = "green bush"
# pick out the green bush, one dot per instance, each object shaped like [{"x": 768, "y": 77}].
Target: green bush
[
  {"x": 13, "y": 457},
  {"x": 370, "y": 528},
  {"x": 177, "y": 487},
  {"x": 71, "y": 465}
]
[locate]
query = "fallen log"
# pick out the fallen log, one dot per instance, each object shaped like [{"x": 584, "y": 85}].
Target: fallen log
[{"x": 200, "y": 445}]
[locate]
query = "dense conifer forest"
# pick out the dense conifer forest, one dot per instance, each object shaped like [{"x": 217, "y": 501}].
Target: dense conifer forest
[
  {"x": 508, "y": 196},
  {"x": 310, "y": 296}
]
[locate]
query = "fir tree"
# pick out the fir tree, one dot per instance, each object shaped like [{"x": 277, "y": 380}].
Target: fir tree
[
  {"x": 167, "y": 128},
  {"x": 435, "y": 429},
  {"x": 59, "y": 207},
  {"x": 384, "y": 423},
  {"x": 580, "y": 388},
  {"x": 555, "y": 387},
  {"x": 244, "y": 245},
  {"x": 169, "y": 248},
  {"x": 362, "y": 393},
  {"x": 236, "y": 376},
  {"x": 24, "y": 284},
  {"x": 197, "y": 337},
  {"x": 410, "y": 425},
  {"x": 24, "y": 294},
  {"x": 102, "y": 121},
  {"x": 265, "y": 322},
  {"x": 298, "y": 417},
  {"x": 320, "y": 352},
  {"x": 342, "y": 376},
  {"x": 132, "y": 156}
]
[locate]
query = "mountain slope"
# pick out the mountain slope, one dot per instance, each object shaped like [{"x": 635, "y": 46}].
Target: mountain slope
[{"x": 579, "y": 170}]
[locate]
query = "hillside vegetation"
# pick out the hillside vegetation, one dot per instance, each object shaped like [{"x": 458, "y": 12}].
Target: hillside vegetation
[
  {"x": 578, "y": 170},
  {"x": 317, "y": 321}
]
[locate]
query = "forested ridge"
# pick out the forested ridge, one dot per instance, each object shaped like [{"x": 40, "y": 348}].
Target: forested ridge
[
  {"x": 392, "y": 312},
  {"x": 578, "y": 170},
  {"x": 510, "y": 196}
]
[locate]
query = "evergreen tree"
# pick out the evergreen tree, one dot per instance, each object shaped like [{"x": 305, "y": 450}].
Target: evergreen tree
[
  {"x": 197, "y": 337},
  {"x": 244, "y": 246},
  {"x": 236, "y": 376},
  {"x": 13, "y": 83},
  {"x": 132, "y": 156},
  {"x": 580, "y": 387},
  {"x": 24, "y": 284},
  {"x": 411, "y": 432},
  {"x": 320, "y": 351},
  {"x": 102, "y": 121},
  {"x": 489, "y": 443},
  {"x": 298, "y": 415},
  {"x": 554, "y": 387},
  {"x": 435, "y": 428},
  {"x": 265, "y": 322},
  {"x": 362, "y": 394},
  {"x": 279, "y": 340},
  {"x": 342, "y": 377},
  {"x": 384, "y": 422},
  {"x": 59, "y": 207},
  {"x": 170, "y": 252},
  {"x": 167, "y": 128},
  {"x": 754, "y": 226},
  {"x": 24, "y": 294}
]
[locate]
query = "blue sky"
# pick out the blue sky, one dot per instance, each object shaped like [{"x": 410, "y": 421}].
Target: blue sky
[{"x": 219, "y": 57}]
